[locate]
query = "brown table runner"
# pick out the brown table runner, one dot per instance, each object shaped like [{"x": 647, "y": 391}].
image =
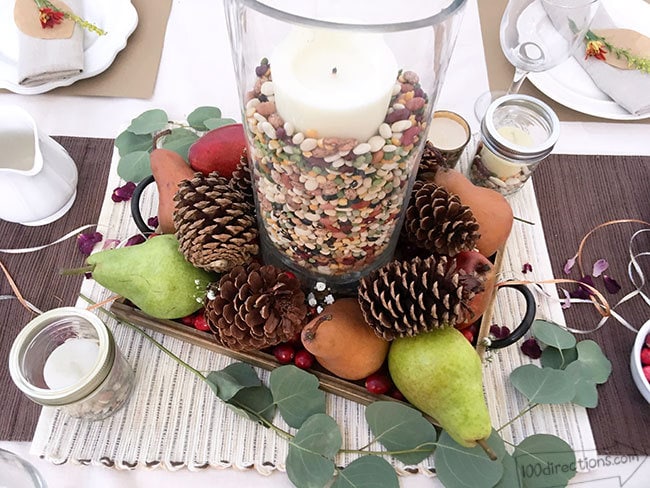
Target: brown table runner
[
  {"x": 575, "y": 194},
  {"x": 36, "y": 274}
]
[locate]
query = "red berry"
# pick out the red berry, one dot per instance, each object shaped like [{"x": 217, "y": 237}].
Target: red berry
[
  {"x": 646, "y": 372},
  {"x": 647, "y": 340},
  {"x": 284, "y": 353},
  {"x": 200, "y": 322},
  {"x": 378, "y": 383},
  {"x": 645, "y": 356},
  {"x": 397, "y": 395},
  {"x": 469, "y": 335},
  {"x": 304, "y": 359},
  {"x": 188, "y": 320}
]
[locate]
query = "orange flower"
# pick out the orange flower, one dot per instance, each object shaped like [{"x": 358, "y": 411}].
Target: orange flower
[
  {"x": 49, "y": 17},
  {"x": 596, "y": 49}
]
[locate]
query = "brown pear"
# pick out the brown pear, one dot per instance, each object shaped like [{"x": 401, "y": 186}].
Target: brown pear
[
  {"x": 343, "y": 343},
  {"x": 168, "y": 169},
  {"x": 491, "y": 210}
]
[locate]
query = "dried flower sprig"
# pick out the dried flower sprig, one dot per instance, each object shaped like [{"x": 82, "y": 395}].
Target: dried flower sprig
[
  {"x": 50, "y": 15},
  {"x": 598, "y": 47}
]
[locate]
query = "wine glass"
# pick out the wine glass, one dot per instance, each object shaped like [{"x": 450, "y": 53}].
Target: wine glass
[{"x": 537, "y": 35}]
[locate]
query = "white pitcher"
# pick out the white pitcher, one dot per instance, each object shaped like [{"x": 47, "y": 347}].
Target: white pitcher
[{"x": 38, "y": 178}]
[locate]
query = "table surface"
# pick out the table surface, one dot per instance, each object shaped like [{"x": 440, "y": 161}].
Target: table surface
[{"x": 199, "y": 72}]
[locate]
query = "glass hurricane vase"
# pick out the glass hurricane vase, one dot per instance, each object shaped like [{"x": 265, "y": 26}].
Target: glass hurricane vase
[{"x": 336, "y": 100}]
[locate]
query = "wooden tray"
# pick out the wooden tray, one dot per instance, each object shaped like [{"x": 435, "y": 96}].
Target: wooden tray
[{"x": 328, "y": 382}]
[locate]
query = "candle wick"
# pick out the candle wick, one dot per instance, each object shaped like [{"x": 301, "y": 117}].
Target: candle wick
[{"x": 334, "y": 70}]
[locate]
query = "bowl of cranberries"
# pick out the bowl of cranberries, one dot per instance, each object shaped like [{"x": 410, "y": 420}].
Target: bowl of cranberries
[{"x": 640, "y": 361}]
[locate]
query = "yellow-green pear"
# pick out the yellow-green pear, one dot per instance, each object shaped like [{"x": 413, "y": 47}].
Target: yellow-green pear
[
  {"x": 154, "y": 275},
  {"x": 440, "y": 373}
]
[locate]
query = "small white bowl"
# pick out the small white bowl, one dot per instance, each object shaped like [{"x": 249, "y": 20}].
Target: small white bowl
[{"x": 635, "y": 362}]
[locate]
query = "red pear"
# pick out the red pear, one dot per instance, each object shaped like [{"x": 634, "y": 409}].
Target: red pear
[{"x": 218, "y": 150}]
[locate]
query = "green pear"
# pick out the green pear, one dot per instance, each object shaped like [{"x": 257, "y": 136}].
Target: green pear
[
  {"x": 154, "y": 275},
  {"x": 440, "y": 373}
]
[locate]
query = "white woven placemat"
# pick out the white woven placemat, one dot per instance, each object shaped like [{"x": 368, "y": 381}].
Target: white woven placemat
[{"x": 173, "y": 420}]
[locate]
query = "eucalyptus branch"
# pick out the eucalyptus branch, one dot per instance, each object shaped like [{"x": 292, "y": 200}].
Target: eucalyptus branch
[{"x": 526, "y": 409}]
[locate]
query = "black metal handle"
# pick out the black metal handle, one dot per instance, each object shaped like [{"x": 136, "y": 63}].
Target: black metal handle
[
  {"x": 526, "y": 321},
  {"x": 135, "y": 206}
]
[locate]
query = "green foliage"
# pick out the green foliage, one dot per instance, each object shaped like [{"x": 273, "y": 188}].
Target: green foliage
[
  {"x": 463, "y": 467},
  {"x": 296, "y": 394},
  {"x": 510, "y": 477},
  {"x": 401, "y": 428},
  {"x": 553, "y": 335},
  {"x": 543, "y": 461},
  {"x": 586, "y": 394},
  {"x": 558, "y": 358},
  {"x": 597, "y": 365},
  {"x": 367, "y": 472},
  {"x": 310, "y": 462},
  {"x": 137, "y": 141},
  {"x": 543, "y": 385}
]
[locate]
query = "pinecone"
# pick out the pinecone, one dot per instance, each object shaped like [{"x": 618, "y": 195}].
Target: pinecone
[
  {"x": 215, "y": 226},
  {"x": 436, "y": 221},
  {"x": 406, "y": 298},
  {"x": 241, "y": 179},
  {"x": 255, "y": 307},
  {"x": 432, "y": 159}
]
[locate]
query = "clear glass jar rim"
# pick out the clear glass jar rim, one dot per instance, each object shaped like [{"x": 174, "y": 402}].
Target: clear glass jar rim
[
  {"x": 496, "y": 142},
  {"x": 437, "y": 18},
  {"x": 74, "y": 392}
]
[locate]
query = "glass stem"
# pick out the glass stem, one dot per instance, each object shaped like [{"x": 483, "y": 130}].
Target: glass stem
[{"x": 517, "y": 80}]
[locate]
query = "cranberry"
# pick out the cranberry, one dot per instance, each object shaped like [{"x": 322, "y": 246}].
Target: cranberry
[
  {"x": 647, "y": 340},
  {"x": 304, "y": 359},
  {"x": 397, "y": 395},
  {"x": 200, "y": 322},
  {"x": 646, "y": 372},
  {"x": 469, "y": 335},
  {"x": 284, "y": 353},
  {"x": 645, "y": 356},
  {"x": 188, "y": 320},
  {"x": 378, "y": 383}
]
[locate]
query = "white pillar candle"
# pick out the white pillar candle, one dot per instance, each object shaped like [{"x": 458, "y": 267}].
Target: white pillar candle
[
  {"x": 447, "y": 134},
  {"x": 70, "y": 362},
  {"x": 500, "y": 167},
  {"x": 336, "y": 83}
]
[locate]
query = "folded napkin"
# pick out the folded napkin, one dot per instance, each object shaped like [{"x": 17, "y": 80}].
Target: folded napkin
[
  {"x": 630, "y": 88},
  {"x": 45, "y": 60}
]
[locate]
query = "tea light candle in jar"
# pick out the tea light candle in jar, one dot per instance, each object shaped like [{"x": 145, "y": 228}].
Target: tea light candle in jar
[
  {"x": 499, "y": 166},
  {"x": 70, "y": 362},
  {"x": 449, "y": 133},
  {"x": 338, "y": 84}
]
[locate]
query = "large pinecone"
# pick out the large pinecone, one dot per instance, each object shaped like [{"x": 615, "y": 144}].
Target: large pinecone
[
  {"x": 215, "y": 225},
  {"x": 255, "y": 307},
  {"x": 432, "y": 159},
  {"x": 406, "y": 298},
  {"x": 436, "y": 221},
  {"x": 241, "y": 179}
]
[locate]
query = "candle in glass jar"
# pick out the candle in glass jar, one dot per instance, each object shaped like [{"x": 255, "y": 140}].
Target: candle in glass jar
[
  {"x": 70, "y": 362},
  {"x": 338, "y": 84},
  {"x": 446, "y": 134},
  {"x": 499, "y": 166}
]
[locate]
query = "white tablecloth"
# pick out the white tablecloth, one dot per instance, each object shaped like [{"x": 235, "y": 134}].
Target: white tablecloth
[{"x": 196, "y": 69}]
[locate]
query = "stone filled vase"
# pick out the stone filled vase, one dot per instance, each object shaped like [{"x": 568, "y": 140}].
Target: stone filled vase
[{"x": 336, "y": 99}]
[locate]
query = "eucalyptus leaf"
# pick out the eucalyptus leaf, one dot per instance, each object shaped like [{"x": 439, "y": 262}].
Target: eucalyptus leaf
[
  {"x": 231, "y": 379},
  {"x": 296, "y": 394},
  {"x": 134, "y": 166},
  {"x": 553, "y": 335},
  {"x": 215, "y": 123},
  {"x": 367, "y": 472},
  {"x": 254, "y": 402},
  {"x": 544, "y": 461},
  {"x": 310, "y": 461},
  {"x": 590, "y": 354},
  {"x": 128, "y": 142},
  {"x": 149, "y": 122},
  {"x": 463, "y": 467},
  {"x": 543, "y": 385},
  {"x": 510, "y": 477},
  {"x": 586, "y": 393},
  {"x": 401, "y": 428},
  {"x": 558, "y": 358},
  {"x": 180, "y": 141},
  {"x": 199, "y": 115}
]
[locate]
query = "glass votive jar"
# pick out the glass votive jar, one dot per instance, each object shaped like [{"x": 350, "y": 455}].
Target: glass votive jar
[
  {"x": 67, "y": 358},
  {"x": 336, "y": 100},
  {"x": 517, "y": 132},
  {"x": 449, "y": 133}
]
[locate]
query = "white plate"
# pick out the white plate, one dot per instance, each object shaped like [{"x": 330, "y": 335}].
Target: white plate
[
  {"x": 117, "y": 17},
  {"x": 571, "y": 86}
]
